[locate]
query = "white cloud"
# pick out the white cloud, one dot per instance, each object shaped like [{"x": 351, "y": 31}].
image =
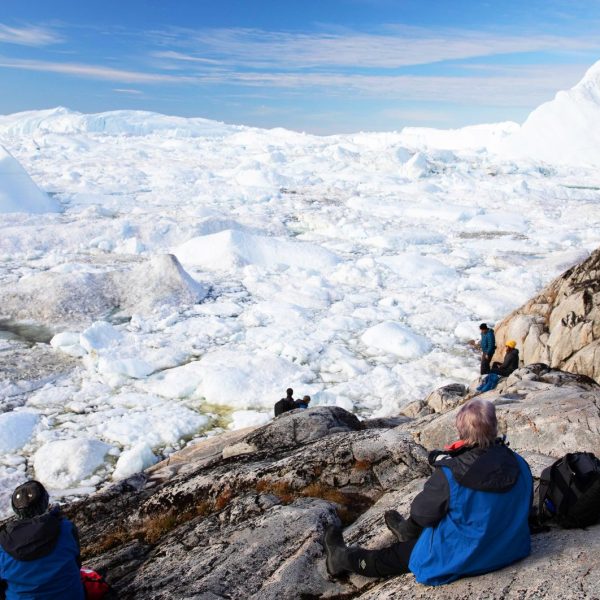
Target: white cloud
[
  {"x": 180, "y": 56},
  {"x": 128, "y": 91},
  {"x": 523, "y": 87},
  {"x": 397, "y": 46},
  {"x": 28, "y": 36},
  {"x": 92, "y": 71}
]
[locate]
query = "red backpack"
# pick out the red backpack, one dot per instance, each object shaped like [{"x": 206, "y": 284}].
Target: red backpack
[{"x": 94, "y": 585}]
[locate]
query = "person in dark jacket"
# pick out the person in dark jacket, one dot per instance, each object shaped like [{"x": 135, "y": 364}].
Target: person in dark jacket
[
  {"x": 470, "y": 518},
  {"x": 488, "y": 347},
  {"x": 511, "y": 360},
  {"x": 285, "y": 404},
  {"x": 39, "y": 551}
]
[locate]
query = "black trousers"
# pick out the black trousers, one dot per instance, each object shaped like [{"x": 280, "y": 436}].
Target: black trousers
[
  {"x": 392, "y": 560},
  {"x": 485, "y": 364}
]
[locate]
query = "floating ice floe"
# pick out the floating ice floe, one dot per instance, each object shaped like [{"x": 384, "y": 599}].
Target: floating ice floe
[
  {"x": 16, "y": 429},
  {"x": 248, "y": 418},
  {"x": 231, "y": 249},
  {"x": 134, "y": 460},
  {"x": 395, "y": 338},
  {"x": 413, "y": 268},
  {"x": 65, "y": 463},
  {"x": 248, "y": 380}
]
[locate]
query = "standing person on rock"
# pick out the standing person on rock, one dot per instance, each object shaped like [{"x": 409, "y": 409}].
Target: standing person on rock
[
  {"x": 39, "y": 552},
  {"x": 511, "y": 360},
  {"x": 285, "y": 404},
  {"x": 488, "y": 347},
  {"x": 470, "y": 518}
]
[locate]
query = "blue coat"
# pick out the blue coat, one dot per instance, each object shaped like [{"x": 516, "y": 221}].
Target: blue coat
[
  {"x": 488, "y": 342},
  {"x": 39, "y": 559},
  {"x": 485, "y": 519}
]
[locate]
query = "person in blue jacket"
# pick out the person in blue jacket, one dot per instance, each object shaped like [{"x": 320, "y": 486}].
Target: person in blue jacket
[
  {"x": 303, "y": 403},
  {"x": 488, "y": 347},
  {"x": 39, "y": 551},
  {"x": 470, "y": 518}
]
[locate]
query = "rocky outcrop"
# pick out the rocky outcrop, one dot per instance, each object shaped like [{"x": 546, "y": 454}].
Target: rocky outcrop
[
  {"x": 78, "y": 297},
  {"x": 242, "y": 515},
  {"x": 561, "y": 325},
  {"x": 541, "y": 410},
  {"x": 248, "y": 526}
]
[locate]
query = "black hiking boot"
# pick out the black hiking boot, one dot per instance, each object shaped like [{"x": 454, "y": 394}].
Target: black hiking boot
[
  {"x": 337, "y": 561},
  {"x": 394, "y": 520}
]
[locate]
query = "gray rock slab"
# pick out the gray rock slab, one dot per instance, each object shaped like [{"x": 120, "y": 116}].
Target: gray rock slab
[
  {"x": 563, "y": 565},
  {"x": 544, "y": 411}
]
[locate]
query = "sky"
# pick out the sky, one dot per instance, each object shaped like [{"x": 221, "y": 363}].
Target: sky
[{"x": 320, "y": 66}]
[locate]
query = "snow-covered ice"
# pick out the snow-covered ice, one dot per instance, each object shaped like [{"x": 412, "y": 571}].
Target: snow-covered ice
[
  {"x": 64, "y": 463},
  {"x": 16, "y": 429},
  {"x": 193, "y": 270},
  {"x": 134, "y": 460}
]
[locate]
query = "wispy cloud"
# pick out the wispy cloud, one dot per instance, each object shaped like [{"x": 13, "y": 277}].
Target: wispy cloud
[
  {"x": 128, "y": 91},
  {"x": 397, "y": 46},
  {"x": 28, "y": 36},
  {"x": 520, "y": 88},
  {"x": 180, "y": 56},
  {"x": 92, "y": 71}
]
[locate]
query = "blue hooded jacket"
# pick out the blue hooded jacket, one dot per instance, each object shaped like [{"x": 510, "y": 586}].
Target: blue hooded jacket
[
  {"x": 39, "y": 559},
  {"x": 488, "y": 342},
  {"x": 474, "y": 510}
]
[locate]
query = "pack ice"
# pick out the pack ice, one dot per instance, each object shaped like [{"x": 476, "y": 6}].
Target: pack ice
[{"x": 190, "y": 271}]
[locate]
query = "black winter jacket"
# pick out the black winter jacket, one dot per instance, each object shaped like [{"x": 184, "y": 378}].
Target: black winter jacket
[{"x": 510, "y": 363}]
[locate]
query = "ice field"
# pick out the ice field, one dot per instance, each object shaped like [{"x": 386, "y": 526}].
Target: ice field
[{"x": 354, "y": 268}]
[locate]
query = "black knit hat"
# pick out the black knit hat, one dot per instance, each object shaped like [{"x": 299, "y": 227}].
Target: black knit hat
[
  {"x": 483, "y": 326},
  {"x": 30, "y": 500}
]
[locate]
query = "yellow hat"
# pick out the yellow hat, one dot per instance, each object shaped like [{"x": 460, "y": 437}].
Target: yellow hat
[{"x": 511, "y": 344}]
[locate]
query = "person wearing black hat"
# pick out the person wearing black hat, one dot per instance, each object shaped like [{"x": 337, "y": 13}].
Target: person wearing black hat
[
  {"x": 488, "y": 347},
  {"x": 39, "y": 551}
]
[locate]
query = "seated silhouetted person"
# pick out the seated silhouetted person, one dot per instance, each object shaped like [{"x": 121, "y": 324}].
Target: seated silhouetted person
[
  {"x": 470, "y": 518},
  {"x": 303, "y": 403},
  {"x": 39, "y": 551},
  {"x": 510, "y": 362},
  {"x": 285, "y": 404}
]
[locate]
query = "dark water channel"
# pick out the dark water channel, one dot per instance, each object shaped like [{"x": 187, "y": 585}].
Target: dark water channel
[{"x": 30, "y": 333}]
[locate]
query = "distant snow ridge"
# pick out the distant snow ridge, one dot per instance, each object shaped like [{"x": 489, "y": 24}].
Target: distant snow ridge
[
  {"x": 120, "y": 122},
  {"x": 18, "y": 193},
  {"x": 565, "y": 130}
]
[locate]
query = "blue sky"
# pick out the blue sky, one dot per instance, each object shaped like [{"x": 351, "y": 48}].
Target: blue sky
[{"x": 322, "y": 66}]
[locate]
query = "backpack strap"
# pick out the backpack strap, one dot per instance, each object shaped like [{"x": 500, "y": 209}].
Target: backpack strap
[{"x": 543, "y": 487}]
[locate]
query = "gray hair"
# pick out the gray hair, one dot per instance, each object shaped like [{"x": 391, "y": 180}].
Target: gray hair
[{"x": 476, "y": 423}]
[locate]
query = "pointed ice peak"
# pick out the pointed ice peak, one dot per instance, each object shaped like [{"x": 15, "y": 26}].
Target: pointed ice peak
[
  {"x": 592, "y": 73},
  {"x": 589, "y": 86},
  {"x": 18, "y": 192}
]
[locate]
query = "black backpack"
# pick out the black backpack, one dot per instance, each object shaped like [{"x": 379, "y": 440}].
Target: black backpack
[{"x": 569, "y": 491}]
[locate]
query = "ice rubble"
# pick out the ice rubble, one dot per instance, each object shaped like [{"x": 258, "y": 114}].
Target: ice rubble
[{"x": 353, "y": 268}]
